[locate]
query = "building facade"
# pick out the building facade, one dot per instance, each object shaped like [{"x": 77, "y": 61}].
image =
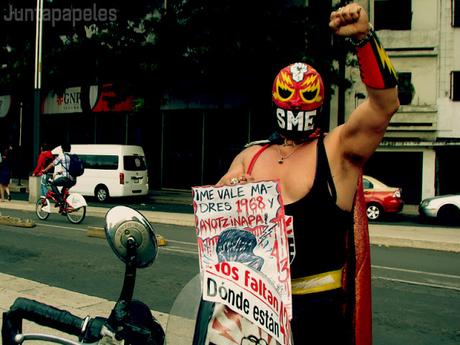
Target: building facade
[{"x": 422, "y": 142}]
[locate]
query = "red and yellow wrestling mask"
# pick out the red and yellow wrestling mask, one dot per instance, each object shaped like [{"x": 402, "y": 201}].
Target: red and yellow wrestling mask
[{"x": 297, "y": 95}]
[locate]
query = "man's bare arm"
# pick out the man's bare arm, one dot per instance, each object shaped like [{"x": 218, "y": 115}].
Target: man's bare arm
[{"x": 360, "y": 136}]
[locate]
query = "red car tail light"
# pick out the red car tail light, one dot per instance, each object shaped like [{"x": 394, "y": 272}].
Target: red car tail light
[{"x": 122, "y": 178}]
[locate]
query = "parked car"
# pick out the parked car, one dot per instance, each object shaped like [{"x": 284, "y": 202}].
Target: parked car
[
  {"x": 380, "y": 198},
  {"x": 443, "y": 208}
]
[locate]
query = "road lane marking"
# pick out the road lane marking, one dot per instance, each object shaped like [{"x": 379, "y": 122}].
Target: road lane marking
[
  {"x": 60, "y": 226},
  {"x": 178, "y": 250},
  {"x": 417, "y": 272},
  {"x": 183, "y": 242},
  {"x": 418, "y": 283}
]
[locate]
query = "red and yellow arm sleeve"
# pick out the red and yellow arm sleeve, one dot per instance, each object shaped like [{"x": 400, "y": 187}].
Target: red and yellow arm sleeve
[{"x": 375, "y": 66}]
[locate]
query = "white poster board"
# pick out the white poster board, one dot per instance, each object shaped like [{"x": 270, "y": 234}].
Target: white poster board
[{"x": 244, "y": 259}]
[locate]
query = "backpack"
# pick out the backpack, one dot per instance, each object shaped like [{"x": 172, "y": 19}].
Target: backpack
[{"x": 76, "y": 166}]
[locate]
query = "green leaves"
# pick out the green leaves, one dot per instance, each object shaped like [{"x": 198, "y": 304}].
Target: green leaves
[{"x": 219, "y": 45}]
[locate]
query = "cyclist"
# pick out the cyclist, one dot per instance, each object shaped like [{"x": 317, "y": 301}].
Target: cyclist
[
  {"x": 45, "y": 157},
  {"x": 62, "y": 178}
]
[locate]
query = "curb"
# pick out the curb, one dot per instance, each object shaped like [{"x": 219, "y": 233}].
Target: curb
[
  {"x": 412, "y": 243},
  {"x": 94, "y": 231},
  {"x": 433, "y": 238},
  {"x": 15, "y": 221}
]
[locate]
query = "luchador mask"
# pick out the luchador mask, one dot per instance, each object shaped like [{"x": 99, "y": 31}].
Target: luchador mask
[{"x": 297, "y": 95}]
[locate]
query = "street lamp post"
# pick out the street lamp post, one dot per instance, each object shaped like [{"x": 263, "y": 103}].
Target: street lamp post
[{"x": 37, "y": 77}]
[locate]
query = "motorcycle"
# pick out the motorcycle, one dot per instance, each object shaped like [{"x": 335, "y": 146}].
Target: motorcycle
[
  {"x": 133, "y": 240},
  {"x": 74, "y": 207}
]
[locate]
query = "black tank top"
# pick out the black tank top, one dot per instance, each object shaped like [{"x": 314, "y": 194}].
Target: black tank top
[{"x": 320, "y": 226}]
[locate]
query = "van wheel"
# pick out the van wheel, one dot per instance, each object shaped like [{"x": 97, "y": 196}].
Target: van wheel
[{"x": 101, "y": 193}]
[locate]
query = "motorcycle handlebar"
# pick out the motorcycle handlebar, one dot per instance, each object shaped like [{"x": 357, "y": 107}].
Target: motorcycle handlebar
[
  {"x": 48, "y": 316},
  {"x": 141, "y": 328}
]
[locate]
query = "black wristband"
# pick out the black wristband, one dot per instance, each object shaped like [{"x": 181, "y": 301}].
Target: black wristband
[{"x": 359, "y": 43}]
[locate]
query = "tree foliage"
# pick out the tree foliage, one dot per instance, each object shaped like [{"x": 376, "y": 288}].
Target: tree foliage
[
  {"x": 243, "y": 44},
  {"x": 84, "y": 42},
  {"x": 146, "y": 50}
]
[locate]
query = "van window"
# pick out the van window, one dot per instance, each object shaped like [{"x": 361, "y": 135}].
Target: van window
[
  {"x": 134, "y": 163},
  {"x": 103, "y": 162}
]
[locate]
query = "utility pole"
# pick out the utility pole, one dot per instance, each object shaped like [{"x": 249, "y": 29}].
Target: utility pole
[
  {"x": 322, "y": 46},
  {"x": 341, "y": 89},
  {"x": 340, "y": 44},
  {"x": 37, "y": 78}
]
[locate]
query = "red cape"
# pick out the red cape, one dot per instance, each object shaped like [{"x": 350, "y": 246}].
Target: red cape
[{"x": 359, "y": 266}]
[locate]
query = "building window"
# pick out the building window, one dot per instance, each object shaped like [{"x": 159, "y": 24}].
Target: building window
[
  {"x": 455, "y": 85},
  {"x": 385, "y": 16},
  {"x": 405, "y": 88},
  {"x": 456, "y": 13}
]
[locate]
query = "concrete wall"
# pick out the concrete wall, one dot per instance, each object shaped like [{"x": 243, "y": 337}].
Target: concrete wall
[
  {"x": 429, "y": 175},
  {"x": 449, "y": 43},
  {"x": 425, "y": 14},
  {"x": 424, "y": 76}
]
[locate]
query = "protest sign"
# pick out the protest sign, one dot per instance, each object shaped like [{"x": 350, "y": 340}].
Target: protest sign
[{"x": 244, "y": 253}]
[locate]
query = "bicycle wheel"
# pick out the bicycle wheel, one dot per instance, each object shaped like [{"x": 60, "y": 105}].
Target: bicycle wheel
[
  {"x": 39, "y": 205},
  {"x": 76, "y": 215}
]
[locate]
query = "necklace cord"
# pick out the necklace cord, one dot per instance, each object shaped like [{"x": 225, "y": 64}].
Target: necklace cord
[{"x": 283, "y": 158}]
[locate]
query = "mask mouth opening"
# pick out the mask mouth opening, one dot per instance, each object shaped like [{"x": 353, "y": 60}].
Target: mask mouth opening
[{"x": 297, "y": 124}]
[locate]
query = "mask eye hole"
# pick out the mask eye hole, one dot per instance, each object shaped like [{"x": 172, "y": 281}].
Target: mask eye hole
[
  {"x": 284, "y": 93},
  {"x": 309, "y": 96}
]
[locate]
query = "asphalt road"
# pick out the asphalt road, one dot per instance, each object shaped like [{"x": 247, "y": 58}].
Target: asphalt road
[
  {"x": 61, "y": 254},
  {"x": 416, "y": 293},
  {"x": 139, "y": 203}
]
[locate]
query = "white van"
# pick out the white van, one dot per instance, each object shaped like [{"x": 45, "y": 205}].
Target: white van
[{"x": 111, "y": 171}]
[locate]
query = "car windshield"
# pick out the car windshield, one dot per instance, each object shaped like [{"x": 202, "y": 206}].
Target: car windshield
[{"x": 134, "y": 163}]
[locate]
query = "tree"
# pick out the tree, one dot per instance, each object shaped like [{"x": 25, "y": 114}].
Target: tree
[
  {"x": 16, "y": 48},
  {"x": 216, "y": 46},
  {"x": 84, "y": 42},
  {"x": 243, "y": 42}
]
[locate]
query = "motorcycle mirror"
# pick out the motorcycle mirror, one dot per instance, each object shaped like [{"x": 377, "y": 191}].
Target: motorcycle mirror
[{"x": 123, "y": 223}]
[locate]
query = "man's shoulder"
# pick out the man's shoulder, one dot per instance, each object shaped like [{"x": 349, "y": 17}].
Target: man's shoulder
[
  {"x": 257, "y": 143},
  {"x": 250, "y": 151},
  {"x": 60, "y": 157}
]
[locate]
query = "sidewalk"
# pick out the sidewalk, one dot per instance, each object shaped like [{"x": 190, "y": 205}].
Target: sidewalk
[
  {"x": 436, "y": 238},
  {"x": 76, "y": 303},
  {"x": 423, "y": 237}
]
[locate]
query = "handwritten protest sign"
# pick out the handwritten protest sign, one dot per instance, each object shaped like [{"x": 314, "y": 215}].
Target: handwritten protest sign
[{"x": 244, "y": 254}]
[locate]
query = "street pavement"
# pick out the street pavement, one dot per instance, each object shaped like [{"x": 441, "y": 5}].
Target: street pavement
[{"x": 426, "y": 237}]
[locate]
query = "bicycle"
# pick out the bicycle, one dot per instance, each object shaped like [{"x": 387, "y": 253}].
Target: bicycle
[{"x": 74, "y": 205}]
